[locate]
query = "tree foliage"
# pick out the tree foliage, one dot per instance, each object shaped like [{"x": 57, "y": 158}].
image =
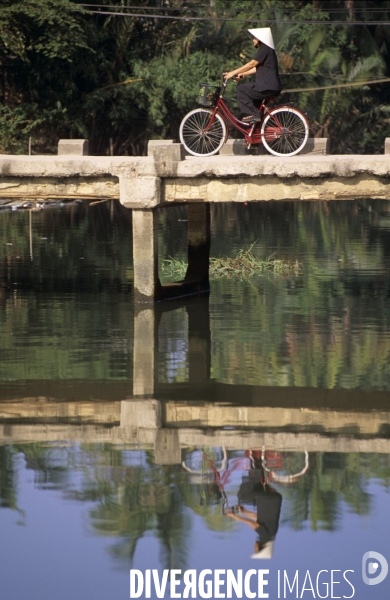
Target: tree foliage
[{"x": 67, "y": 72}]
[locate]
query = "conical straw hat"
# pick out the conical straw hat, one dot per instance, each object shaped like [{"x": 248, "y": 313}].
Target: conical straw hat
[{"x": 263, "y": 35}]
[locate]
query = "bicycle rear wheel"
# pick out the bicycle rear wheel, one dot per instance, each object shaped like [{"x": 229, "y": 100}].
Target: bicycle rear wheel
[
  {"x": 285, "y": 131},
  {"x": 195, "y": 139}
]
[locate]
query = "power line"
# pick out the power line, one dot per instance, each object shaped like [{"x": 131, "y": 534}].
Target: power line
[
  {"x": 291, "y": 90},
  {"x": 339, "y": 85},
  {"x": 285, "y": 11},
  {"x": 139, "y": 7},
  {"x": 224, "y": 19}
]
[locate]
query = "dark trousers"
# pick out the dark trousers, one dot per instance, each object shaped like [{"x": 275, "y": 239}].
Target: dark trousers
[{"x": 250, "y": 98}]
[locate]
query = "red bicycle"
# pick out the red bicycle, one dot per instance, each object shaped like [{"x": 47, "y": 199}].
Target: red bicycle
[{"x": 282, "y": 129}]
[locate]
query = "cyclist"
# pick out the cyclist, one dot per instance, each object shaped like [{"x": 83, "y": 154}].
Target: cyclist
[{"x": 265, "y": 65}]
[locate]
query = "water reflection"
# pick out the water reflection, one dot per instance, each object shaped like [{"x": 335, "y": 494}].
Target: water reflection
[
  {"x": 130, "y": 495},
  {"x": 327, "y": 328},
  {"x": 144, "y": 428}
]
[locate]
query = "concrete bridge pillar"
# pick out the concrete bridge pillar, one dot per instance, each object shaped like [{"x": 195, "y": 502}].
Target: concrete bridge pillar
[{"x": 147, "y": 285}]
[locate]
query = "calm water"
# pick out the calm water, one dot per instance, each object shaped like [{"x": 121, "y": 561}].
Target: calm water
[{"x": 120, "y": 452}]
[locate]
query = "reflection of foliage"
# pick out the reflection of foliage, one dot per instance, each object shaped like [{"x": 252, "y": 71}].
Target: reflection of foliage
[
  {"x": 323, "y": 328},
  {"x": 331, "y": 479},
  {"x": 83, "y": 259},
  {"x": 132, "y": 496},
  {"x": 67, "y": 242},
  {"x": 134, "y": 499},
  {"x": 7, "y": 479},
  {"x": 306, "y": 331},
  {"x": 49, "y": 463}
]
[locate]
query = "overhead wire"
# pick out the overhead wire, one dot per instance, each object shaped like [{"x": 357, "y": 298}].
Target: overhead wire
[
  {"x": 168, "y": 8},
  {"x": 226, "y": 19},
  {"x": 183, "y": 9},
  {"x": 338, "y": 11},
  {"x": 338, "y": 85},
  {"x": 288, "y": 90}
]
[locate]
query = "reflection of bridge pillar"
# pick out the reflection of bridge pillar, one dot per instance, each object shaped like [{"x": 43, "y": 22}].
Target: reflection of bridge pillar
[
  {"x": 167, "y": 449},
  {"x": 147, "y": 285},
  {"x": 198, "y": 244},
  {"x": 144, "y": 355},
  {"x": 199, "y": 344},
  {"x": 142, "y": 414}
]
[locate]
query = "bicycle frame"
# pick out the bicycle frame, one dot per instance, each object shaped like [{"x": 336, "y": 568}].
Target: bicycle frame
[{"x": 252, "y": 132}]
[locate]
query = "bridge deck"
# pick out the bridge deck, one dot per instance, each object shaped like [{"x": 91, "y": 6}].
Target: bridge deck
[{"x": 142, "y": 182}]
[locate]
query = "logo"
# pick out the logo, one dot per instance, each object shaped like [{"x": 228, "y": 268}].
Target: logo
[{"x": 371, "y": 562}]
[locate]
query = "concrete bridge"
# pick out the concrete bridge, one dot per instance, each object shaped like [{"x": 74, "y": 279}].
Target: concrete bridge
[
  {"x": 167, "y": 177},
  {"x": 167, "y": 418}
]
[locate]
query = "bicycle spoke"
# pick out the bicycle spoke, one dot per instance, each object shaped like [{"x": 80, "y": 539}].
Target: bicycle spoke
[
  {"x": 199, "y": 136},
  {"x": 285, "y": 132}
]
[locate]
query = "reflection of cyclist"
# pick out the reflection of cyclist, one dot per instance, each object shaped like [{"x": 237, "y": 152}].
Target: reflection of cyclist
[
  {"x": 265, "y": 66},
  {"x": 265, "y": 521}
]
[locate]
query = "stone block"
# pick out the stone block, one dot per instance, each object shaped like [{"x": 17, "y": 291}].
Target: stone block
[
  {"x": 319, "y": 146},
  {"x": 238, "y": 148},
  {"x": 156, "y": 143},
  {"x": 73, "y": 147},
  {"x": 166, "y": 158},
  {"x": 139, "y": 192},
  {"x": 387, "y": 146},
  {"x": 233, "y": 148}
]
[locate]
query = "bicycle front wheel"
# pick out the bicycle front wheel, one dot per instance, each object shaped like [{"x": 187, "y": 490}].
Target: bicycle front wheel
[
  {"x": 284, "y": 131},
  {"x": 199, "y": 139}
]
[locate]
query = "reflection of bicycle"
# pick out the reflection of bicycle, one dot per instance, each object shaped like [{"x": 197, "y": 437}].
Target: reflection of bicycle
[
  {"x": 280, "y": 467},
  {"x": 213, "y": 466},
  {"x": 206, "y": 468},
  {"x": 205, "y": 463},
  {"x": 282, "y": 129}
]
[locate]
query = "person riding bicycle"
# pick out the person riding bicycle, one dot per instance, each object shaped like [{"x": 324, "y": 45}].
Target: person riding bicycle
[{"x": 265, "y": 66}]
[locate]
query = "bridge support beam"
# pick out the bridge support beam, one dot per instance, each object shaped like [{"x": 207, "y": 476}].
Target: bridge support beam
[{"x": 147, "y": 285}]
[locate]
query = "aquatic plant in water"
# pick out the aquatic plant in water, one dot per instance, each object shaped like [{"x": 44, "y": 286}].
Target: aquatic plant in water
[{"x": 244, "y": 266}]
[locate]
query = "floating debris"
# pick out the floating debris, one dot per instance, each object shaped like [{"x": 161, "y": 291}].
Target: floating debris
[{"x": 36, "y": 204}]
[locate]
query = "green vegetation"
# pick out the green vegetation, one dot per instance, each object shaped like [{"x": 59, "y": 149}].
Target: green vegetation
[
  {"x": 244, "y": 265},
  {"x": 68, "y": 72}
]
